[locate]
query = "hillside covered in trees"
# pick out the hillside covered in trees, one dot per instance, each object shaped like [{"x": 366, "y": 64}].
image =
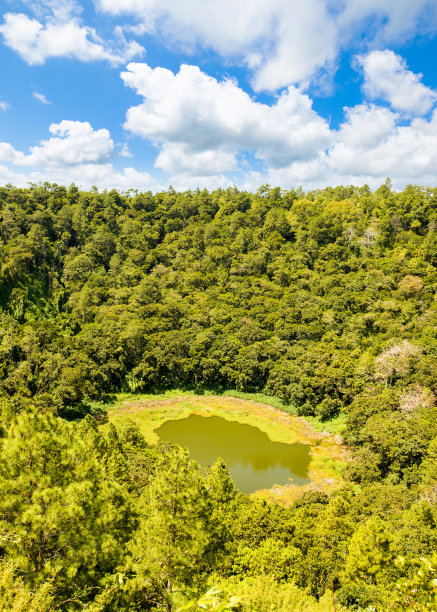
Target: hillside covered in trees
[{"x": 325, "y": 300}]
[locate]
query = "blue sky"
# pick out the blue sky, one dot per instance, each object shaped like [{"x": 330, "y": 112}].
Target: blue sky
[{"x": 210, "y": 93}]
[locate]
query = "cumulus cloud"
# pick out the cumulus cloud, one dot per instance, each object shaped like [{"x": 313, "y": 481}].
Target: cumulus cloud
[
  {"x": 103, "y": 176},
  {"x": 306, "y": 41},
  {"x": 366, "y": 126},
  {"x": 72, "y": 143},
  {"x": 282, "y": 41},
  {"x": 386, "y": 76},
  {"x": 40, "y": 97},
  {"x": 62, "y": 35},
  {"x": 74, "y": 153},
  {"x": 4, "y": 105},
  {"x": 369, "y": 146},
  {"x": 203, "y": 122},
  {"x": 404, "y": 151},
  {"x": 173, "y": 158},
  {"x": 12, "y": 177},
  {"x": 183, "y": 182},
  {"x": 9, "y": 154},
  {"x": 202, "y": 126}
]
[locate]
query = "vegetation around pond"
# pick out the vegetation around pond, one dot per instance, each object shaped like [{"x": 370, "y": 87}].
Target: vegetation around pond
[
  {"x": 328, "y": 455},
  {"x": 325, "y": 301}
]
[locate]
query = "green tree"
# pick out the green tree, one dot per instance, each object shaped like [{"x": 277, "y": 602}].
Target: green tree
[
  {"x": 171, "y": 548},
  {"x": 59, "y": 510},
  {"x": 370, "y": 552}
]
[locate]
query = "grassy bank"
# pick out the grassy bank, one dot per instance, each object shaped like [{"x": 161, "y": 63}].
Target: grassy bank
[
  {"x": 332, "y": 426},
  {"x": 328, "y": 455}
]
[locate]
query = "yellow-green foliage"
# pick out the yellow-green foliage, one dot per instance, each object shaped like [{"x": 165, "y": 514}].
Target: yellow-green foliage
[
  {"x": 420, "y": 592},
  {"x": 214, "y": 600},
  {"x": 149, "y": 412},
  {"x": 325, "y": 300},
  {"x": 264, "y": 594},
  {"x": 16, "y": 597}
]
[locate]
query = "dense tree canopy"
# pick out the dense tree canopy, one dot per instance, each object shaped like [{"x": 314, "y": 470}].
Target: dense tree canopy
[{"x": 325, "y": 300}]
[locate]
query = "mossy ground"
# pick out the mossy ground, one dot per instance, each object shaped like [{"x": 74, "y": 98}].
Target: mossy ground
[{"x": 328, "y": 454}]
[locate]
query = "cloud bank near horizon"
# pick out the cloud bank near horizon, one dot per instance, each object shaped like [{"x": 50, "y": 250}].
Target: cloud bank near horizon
[{"x": 213, "y": 130}]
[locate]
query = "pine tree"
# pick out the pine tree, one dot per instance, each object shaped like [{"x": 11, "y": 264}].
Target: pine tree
[
  {"x": 370, "y": 552},
  {"x": 171, "y": 545},
  {"x": 59, "y": 513}
]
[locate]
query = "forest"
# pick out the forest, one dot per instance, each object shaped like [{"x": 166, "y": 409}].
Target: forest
[{"x": 324, "y": 299}]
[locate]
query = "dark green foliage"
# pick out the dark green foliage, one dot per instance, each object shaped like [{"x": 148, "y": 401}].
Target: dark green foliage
[
  {"x": 324, "y": 300},
  {"x": 301, "y": 297}
]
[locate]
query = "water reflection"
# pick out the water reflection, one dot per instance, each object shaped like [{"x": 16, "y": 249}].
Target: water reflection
[{"x": 253, "y": 460}]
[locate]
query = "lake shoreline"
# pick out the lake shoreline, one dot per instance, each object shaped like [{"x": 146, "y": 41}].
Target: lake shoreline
[{"x": 328, "y": 453}]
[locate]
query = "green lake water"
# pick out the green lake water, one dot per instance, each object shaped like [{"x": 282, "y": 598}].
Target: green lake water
[{"x": 253, "y": 460}]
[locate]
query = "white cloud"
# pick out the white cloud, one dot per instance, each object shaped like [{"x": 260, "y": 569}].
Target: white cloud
[
  {"x": 202, "y": 126},
  {"x": 305, "y": 41},
  {"x": 61, "y": 10},
  {"x": 366, "y": 126},
  {"x": 4, "y": 105},
  {"x": 406, "y": 152},
  {"x": 75, "y": 153},
  {"x": 183, "y": 182},
  {"x": 40, "y": 97},
  {"x": 8, "y": 176},
  {"x": 73, "y": 142},
  {"x": 282, "y": 41},
  {"x": 369, "y": 146},
  {"x": 36, "y": 42},
  {"x": 9, "y": 154},
  {"x": 174, "y": 159},
  {"x": 125, "y": 150},
  {"x": 387, "y": 77},
  {"x": 387, "y": 22},
  {"x": 103, "y": 176},
  {"x": 196, "y": 114}
]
